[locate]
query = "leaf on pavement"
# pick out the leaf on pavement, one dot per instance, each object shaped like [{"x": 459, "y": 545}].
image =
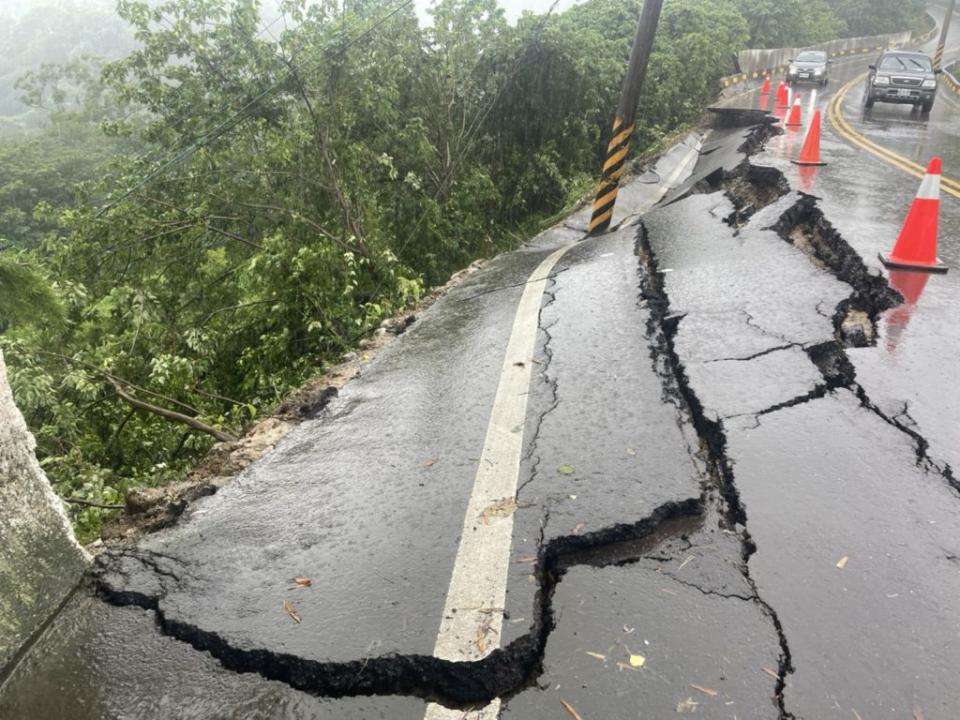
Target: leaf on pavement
[
  {"x": 426, "y": 463},
  {"x": 624, "y": 666},
  {"x": 570, "y": 711},
  {"x": 842, "y": 562},
  {"x": 638, "y": 661},
  {"x": 504, "y": 507},
  {"x": 301, "y": 581},
  {"x": 598, "y": 656},
  {"x": 292, "y": 612},
  {"x": 704, "y": 690},
  {"x": 687, "y": 706},
  {"x": 771, "y": 673},
  {"x": 566, "y": 470},
  {"x": 481, "y": 637}
]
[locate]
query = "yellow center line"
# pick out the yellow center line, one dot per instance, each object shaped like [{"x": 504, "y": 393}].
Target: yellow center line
[{"x": 840, "y": 124}]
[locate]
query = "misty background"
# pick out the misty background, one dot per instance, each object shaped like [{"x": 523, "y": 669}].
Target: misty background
[{"x": 38, "y": 32}]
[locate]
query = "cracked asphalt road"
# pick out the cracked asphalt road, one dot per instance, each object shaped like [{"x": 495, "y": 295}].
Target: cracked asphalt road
[{"x": 737, "y": 466}]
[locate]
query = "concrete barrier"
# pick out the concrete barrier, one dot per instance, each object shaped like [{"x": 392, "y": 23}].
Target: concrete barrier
[
  {"x": 757, "y": 64},
  {"x": 40, "y": 560}
]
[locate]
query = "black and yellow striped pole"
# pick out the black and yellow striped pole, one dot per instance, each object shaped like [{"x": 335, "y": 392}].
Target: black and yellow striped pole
[
  {"x": 938, "y": 56},
  {"x": 624, "y": 122}
]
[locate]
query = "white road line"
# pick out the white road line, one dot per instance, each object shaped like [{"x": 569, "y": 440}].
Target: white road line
[{"x": 473, "y": 615}]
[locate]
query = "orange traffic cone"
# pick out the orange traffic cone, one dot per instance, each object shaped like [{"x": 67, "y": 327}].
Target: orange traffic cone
[
  {"x": 916, "y": 247},
  {"x": 765, "y": 88},
  {"x": 810, "y": 153},
  {"x": 783, "y": 99},
  {"x": 795, "y": 118}
]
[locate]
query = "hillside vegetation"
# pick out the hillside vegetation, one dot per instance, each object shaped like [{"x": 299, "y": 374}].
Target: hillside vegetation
[{"x": 214, "y": 218}]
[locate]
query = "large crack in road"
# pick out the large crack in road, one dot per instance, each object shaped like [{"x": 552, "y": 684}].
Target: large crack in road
[
  {"x": 460, "y": 684},
  {"x": 509, "y": 670},
  {"x": 855, "y": 318},
  {"x": 506, "y": 671},
  {"x": 661, "y": 331},
  {"x": 762, "y": 204},
  {"x": 660, "y": 539}
]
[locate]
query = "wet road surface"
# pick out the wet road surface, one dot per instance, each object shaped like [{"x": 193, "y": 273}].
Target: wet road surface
[{"x": 735, "y": 497}]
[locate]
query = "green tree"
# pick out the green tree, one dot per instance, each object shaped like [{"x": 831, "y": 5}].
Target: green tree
[{"x": 25, "y": 296}]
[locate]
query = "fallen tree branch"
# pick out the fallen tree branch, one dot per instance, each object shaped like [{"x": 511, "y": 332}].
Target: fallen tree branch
[
  {"x": 111, "y": 377},
  {"x": 169, "y": 414}
]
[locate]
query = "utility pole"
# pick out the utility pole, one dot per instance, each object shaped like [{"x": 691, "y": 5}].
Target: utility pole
[
  {"x": 623, "y": 124},
  {"x": 938, "y": 57}
]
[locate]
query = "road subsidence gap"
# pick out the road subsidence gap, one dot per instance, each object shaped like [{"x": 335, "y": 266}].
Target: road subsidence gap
[
  {"x": 503, "y": 673},
  {"x": 661, "y": 331},
  {"x": 751, "y": 188},
  {"x": 516, "y": 667}
]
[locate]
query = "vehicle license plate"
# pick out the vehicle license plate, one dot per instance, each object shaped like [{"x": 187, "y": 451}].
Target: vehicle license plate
[
  {"x": 804, "y": 75},
  {"x": 903, "y": 93}
]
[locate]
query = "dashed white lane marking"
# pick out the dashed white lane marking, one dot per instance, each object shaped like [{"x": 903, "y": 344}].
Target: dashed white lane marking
[{"x": 473, "y": 615}]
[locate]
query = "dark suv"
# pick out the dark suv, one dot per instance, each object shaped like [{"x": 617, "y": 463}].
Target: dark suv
[{"x": 902, "y": 77}]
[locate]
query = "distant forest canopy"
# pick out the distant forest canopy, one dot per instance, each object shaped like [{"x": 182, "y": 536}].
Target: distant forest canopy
[
  {"x": 34, "y": 33},
  {"x": 213, "y": 217}
]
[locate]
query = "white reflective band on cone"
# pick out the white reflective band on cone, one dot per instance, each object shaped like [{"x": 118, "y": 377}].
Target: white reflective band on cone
[{"x": 929, "y": 188}]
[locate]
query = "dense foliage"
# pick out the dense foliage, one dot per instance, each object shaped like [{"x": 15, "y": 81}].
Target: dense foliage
[
  {"x": 795, "y": 23},
  {"x": 228, "y": 208}
]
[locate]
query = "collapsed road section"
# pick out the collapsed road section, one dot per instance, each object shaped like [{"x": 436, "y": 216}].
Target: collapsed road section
[
  {"x": 660, "y": 513},
  {"x": 712, "y": 517},
  {"x": 638, "y": 471},
  {"x": 324, "y": 565},
  {"x": 853, "y": 524}
]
